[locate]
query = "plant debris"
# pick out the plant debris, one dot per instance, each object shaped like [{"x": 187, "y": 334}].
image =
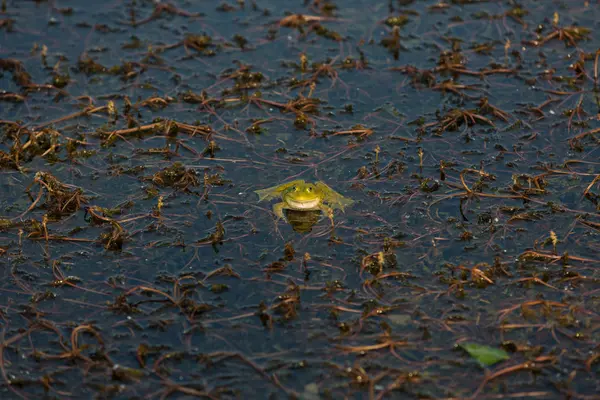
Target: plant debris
[{"x": 138, "y": 262}]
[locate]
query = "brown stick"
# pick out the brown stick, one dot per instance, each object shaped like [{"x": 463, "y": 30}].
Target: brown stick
[{"x": 87, "y": 111}]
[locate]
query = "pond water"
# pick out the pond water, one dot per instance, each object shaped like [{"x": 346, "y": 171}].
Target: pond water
[{"x": 137, "y": 261}]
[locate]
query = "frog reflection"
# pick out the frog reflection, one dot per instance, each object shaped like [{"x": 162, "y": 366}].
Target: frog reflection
[{"x": 302, "y": 221}]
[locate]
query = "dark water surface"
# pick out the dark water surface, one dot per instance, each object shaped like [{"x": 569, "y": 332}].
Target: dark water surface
[{"x": 137, "y": 262}]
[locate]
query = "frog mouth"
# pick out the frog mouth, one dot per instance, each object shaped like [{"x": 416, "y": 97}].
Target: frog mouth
[{"x": 303, "y": 205}]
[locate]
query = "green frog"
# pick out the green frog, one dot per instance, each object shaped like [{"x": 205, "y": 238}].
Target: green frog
[{"x": 301, "y": 196}]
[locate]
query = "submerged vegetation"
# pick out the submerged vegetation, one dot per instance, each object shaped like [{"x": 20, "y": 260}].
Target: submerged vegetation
[{"x": 138, "y": 262}]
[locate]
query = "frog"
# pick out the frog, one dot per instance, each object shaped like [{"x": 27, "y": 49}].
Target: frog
[{"x": 299, "y": 195}]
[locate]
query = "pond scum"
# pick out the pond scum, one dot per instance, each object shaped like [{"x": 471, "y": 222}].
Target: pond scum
[{"x": 137, "y": 262}]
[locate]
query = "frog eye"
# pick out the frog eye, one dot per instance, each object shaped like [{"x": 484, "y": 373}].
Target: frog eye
[
  {"x": 309, "y": 189},
  {"x": 294, "y": 188}
]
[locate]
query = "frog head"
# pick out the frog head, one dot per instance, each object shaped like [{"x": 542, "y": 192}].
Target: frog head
[{"x": 303, "y": 196}]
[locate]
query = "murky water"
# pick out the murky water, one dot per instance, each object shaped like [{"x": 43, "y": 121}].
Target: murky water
[{"x": 137, "y": 261}]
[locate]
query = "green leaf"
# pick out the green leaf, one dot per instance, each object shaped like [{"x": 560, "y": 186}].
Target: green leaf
[{"x": 485, "y": 355}]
